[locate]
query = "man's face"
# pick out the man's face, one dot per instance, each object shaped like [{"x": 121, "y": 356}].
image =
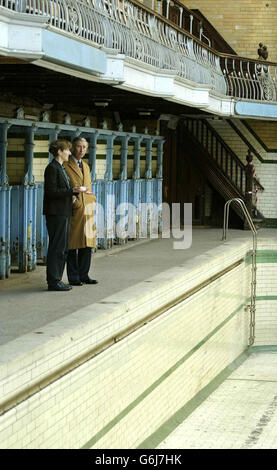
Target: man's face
[{"x": 80, "y": 149}]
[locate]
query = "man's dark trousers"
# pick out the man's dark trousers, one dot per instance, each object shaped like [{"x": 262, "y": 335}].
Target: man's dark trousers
[
  {"x": 78, "y": 264},
  {"x": 58, "y": 230}
]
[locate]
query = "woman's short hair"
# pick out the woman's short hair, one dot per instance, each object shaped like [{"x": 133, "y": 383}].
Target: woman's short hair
[{"x": 57, "y": 145}]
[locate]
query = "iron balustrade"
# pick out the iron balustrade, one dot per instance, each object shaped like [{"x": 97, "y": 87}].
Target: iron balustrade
[
  {"x": 172, "y": 10},
  {"x": 130, "y": 28},
  {"x": 140, "y": 33},
  {"x": 250, "y": 79}
]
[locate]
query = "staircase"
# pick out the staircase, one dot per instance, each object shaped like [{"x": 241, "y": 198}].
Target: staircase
[{"x": 222, "y": 167}]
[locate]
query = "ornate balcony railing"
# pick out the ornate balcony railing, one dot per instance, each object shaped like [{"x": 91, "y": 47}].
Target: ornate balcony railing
[
  {"x": 252, "y": 79},
  {"x": 141, "y": 33}
]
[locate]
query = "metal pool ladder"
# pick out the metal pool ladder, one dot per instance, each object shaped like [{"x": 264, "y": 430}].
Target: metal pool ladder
[{"x": 252, "y": 306}]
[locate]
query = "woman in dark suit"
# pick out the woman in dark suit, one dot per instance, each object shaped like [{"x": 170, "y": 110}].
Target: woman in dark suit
[{"x": 57, "y": 207}]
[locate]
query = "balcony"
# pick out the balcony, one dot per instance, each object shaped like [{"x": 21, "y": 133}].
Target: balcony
[{"x": 159, "y": 51}]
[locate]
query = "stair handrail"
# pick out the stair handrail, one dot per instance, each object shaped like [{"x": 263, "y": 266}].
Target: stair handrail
[
  {"x": 241, "y": 169},
  {"x": 239, "y": 165},
  {"x": 252, "y": 306},
  {"x": 224, "y": 144}
]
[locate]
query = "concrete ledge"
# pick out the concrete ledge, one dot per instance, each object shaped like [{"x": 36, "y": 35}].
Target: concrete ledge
[
  {"x": 60, "y": 49},
  {"x": 256, "y": 110},
  {"x": 62, "y": 393},
  {"x": 31, "y": 361}
]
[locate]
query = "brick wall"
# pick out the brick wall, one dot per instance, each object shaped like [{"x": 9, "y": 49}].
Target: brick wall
[
  {"x": 266, "y": 320},
  {"x": 266, "y": 131},
  {"x": 243, "y": 24},
  {"x": 16, "y": 165}
]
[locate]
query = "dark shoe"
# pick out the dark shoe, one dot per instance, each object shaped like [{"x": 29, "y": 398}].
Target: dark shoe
[
  {"x": 89, "y": 281},
  {"x": 75, "y": 283},
  {"x": 60, "y": 286}
]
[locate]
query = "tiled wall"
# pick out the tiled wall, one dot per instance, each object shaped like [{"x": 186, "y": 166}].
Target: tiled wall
[
  {"x": 266, "y": 170},
  {"x": 266, "y": 302},
  {"x": 266, "y": 131},
  {"x": 15, "y": 159},
  {"x": 16, "y": 165},
  {"x": 171, "y": 360},
  {"x": 122, "y": 395},
  {"x": 243, "y": 24}
]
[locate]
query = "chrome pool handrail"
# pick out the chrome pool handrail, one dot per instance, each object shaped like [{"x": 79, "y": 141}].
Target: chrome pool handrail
[{"x": 252, "y": 306}]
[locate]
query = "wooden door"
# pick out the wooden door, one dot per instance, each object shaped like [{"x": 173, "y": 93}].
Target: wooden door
[{"x": 181, "y": 181}]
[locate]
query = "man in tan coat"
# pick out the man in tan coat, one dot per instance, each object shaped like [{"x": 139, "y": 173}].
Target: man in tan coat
[{"x": 82, "y": 235}]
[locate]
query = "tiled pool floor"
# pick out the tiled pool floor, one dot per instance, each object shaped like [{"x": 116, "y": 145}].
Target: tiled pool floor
[{"x": 240, "y": 414}]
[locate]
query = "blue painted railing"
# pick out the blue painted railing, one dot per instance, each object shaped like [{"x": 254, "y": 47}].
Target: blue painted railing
[
  {"x": 124, "y": 208},
  {"x": 41, "y": 230},
  {"x": 23, "y": 247},
  {"x": 5, "y": 257},
  {"x": 5, "y": 201}
]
